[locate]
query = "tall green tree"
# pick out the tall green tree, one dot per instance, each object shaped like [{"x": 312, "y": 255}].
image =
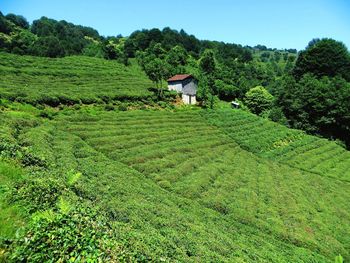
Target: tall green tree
[
  {"x": 207, "y": 62},
  {"x": 18, "y": 20},
  {"x": 207, "y": 66},
  {"x": 157, "y": 70},
  {"x": 317, "y": 105},
  {"x": 177, "y": 59},
  {"x": 326, "y": 57},
  {"x": 22, "y": 42},
  {"x": 48, "y": 47}
]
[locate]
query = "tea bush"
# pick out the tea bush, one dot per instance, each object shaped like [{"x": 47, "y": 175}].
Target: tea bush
[
  {"x": 181, "y": 185},
  {"x": 70, "y": 80},
  {"x": 78, "y": 236}
]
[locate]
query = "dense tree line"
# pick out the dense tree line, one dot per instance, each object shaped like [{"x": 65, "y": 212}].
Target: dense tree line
[
  {"x": 45, "y": 37},
  {"x": 316, "y": 96},
  {"x": 52, "y": 38}
]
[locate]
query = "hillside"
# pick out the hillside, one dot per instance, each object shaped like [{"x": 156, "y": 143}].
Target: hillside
[
  {"x": 187, "y": 185},
  {"x": 278, "y": 143},
  {"x": 70, "y": 80},
  {"x": 164, "y": 146}
]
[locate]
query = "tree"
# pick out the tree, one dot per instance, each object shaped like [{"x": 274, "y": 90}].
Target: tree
[
  {"x": 94, "y": 49},
  {"x": 258, "y": 100},
  {"x": 113, "y": 48},
  {"x": 276, "y": 114},
  {"x": 265, "y": 56},
  {"x": 22, "y": 42},
  {"x": 48, "y": 47},
  {"x": 288, "y": 67},
  {"x": 18, "y": 20},
  {"x": 277, "y": 56},
  {"x": 157, "y": 50},
  {"x": 207, "y": 66},
  {"x": 177, "y": 56},
  {"x": 72, "y": 38},
  {"x": 317, "y": 105},
  {"x": 261, "y": 47},
  {"x": 157, "y": 70},
  {"x": 207, "y": 62},
  {"x": 177, "y": 59},
  {"x": 325, "y": 57},
  {"x": 225, "y": 91},
  {"x": 5, "y": 25},
  {"x": 205, "y": 91},
  {"x": 43, "y": 27},
  {"x": 155, "y": 35}
]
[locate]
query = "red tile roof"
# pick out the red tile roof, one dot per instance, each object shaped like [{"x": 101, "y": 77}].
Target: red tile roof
[{"x": 180, "y": 77}]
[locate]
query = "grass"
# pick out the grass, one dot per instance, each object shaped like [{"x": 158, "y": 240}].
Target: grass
[{"x": 70, "y": 80}]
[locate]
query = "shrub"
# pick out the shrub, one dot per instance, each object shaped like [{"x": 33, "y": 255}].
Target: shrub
[
  {"x": 77, "y": 236},
  {"x": 258, "y": 100},
  {"x": 36, "y": 194},
  {"x": 40, "y": 107},
  {"x": 164, "y": 184},
  {"x": 105, "y": 98},
  {"x": 49, "y": 100},
  {"x": 47, "y": 114},
  {"x": 122, "y": 107},
  {"x": 89, "y": 100},
  {"x": 29, "y": 158},
  {"x": 276, "y": 114},
  {"x": 67, "y": 100},
  {"x": 109, "y": 107},
  {"x": 226, "y": 91}
]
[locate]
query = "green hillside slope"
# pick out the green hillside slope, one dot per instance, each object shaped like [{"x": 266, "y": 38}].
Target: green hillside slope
[
  {"x": 69, "y": 80},
  {"x": 180, "y": 185},
  {"x": 276, "y": 142}
]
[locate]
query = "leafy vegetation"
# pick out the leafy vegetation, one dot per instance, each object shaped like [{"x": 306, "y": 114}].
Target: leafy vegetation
[
  {"x": 325, "y": 57},
  {"x": 258, "y": 100}
]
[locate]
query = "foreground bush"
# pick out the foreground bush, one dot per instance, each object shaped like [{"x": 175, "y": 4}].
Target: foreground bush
[{"x": 76, "y": 236}]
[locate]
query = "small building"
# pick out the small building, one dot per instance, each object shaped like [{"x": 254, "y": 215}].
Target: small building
[
  {"x": 235, "y": 104},
  {"x": 185, "y": 84}
]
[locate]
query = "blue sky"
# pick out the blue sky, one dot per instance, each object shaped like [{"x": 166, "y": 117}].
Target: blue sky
[{"x": 279, "y": 24}]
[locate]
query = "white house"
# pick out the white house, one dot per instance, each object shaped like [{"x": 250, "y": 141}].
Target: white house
[{"x": 186, "y": 85}]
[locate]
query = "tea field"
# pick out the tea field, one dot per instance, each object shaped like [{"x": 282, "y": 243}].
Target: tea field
[
  {"x": 185, "y": 185},
  {"x": 278, "y": 143},
  {"x": 70, "y": 80}
]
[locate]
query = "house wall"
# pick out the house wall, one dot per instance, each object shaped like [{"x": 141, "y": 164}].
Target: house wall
[
  {"x": 175, "y": 85},
  {"x": 187, "y": 87},
  {"x": 190, "y": 88},
  {"x": 189, "y": 99}
]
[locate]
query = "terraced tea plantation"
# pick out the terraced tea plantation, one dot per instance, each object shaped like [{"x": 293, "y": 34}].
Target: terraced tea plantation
[
  {"x": 278, "y": 143},
  {"x": 190, "y": 158},
  {"x": 188, "y": 185},
  {"x": 69, "y": 80}
]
